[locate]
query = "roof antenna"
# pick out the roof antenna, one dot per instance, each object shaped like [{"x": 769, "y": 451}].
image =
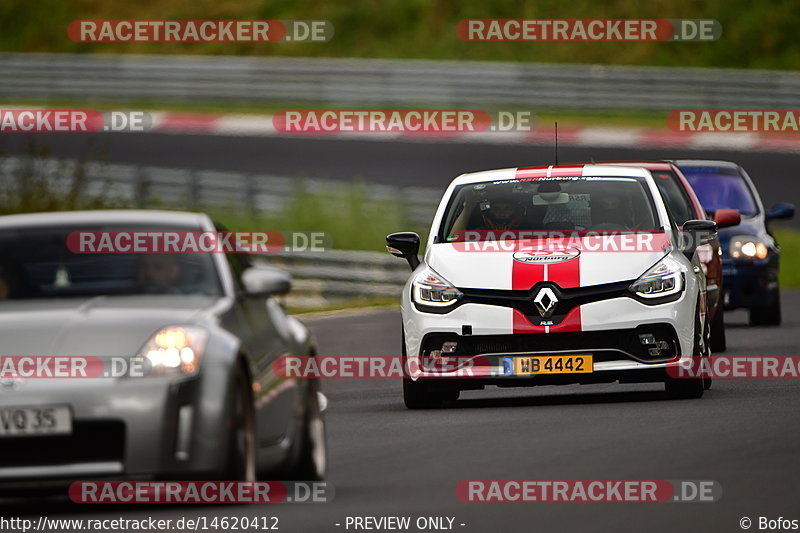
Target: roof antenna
[{"x": 556, "y": 123}]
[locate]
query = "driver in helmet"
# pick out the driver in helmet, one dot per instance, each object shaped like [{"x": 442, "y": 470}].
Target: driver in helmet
[
  {"x": 159, "y": 273},
  {"x": 502, "y": 213}
]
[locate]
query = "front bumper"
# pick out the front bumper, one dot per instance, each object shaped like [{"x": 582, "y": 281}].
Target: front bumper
[
  {"x": 122, "y": 429},
  {"x": 750, "y": 283},
  {"x": 606, "y": 329},
  {"x": 604, "y": 373}
]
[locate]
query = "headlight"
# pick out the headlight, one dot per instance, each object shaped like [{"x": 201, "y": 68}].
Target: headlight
[
  {"x": 174, "y": 350},
  {"x": 432, "y": 289},
  {"x": 663, "y": 279},
  {"x": 748, "y": 247}
]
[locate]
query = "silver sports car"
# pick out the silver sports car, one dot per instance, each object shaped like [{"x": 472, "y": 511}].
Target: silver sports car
[{"x": 206, "y": 328}]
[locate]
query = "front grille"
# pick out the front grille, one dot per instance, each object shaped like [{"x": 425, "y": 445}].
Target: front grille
[
  {"x": 621, "y": 343},
  {"x": 90, "y": 442},
  {"x": 568, "y": 299}
]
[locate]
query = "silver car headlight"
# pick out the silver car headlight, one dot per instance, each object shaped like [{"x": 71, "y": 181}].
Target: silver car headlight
[
  {"x": 747, "y": 247},
  {"x": 174, "y": 351},
  {"x": 663, "y": 279},
  {"x": 430, "y": 288}
]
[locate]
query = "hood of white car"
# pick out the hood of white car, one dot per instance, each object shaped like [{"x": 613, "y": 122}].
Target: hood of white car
[{"x": 512, "y": 265}]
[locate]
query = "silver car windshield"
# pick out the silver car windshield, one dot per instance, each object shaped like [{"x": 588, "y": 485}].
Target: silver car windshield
[{"x": 37, "y": 263}]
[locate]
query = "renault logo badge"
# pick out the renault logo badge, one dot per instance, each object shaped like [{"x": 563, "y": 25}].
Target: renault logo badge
[{"x": 545, "y": 302}]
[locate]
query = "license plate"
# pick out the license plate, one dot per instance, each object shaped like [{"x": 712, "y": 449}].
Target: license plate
[
  {"x": 549, "y": 364},
  {"x": 40, "y": 420}
]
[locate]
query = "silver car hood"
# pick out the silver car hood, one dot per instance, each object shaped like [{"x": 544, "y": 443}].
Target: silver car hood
[{"x": 102, "y": 326}]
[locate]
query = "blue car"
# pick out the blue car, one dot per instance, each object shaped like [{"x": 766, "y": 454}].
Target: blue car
[{"x": 750, "y": 253}]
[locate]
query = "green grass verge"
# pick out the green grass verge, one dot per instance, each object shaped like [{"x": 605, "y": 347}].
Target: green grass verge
[
  {"x": 789, "y": 240},
  {"x": 344, "y": 211},
  {"x": 755, "y": 34}
]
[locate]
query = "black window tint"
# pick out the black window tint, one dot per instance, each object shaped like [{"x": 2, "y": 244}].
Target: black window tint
[{"x": 674, "y": 195}]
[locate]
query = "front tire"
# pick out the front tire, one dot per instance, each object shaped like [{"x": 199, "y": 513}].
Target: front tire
[
  {"x": 242, "y": 439},
  {"x": 417, "y": 395},
  {"x": 718, "y": 340},
  {"x": 769, "y": 315},
  {"x": 312, "y": 464},
  {"x": 691, "y": 388}
]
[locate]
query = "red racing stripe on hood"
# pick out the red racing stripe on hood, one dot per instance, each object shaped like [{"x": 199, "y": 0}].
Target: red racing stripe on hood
[
  {"x": 525, "y": 275},
  {"x": 566, "y": 275}
]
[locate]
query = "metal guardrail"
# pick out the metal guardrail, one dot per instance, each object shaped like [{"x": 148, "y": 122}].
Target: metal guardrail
[
  {"x": 320, "y": 278},
  {"x": 333, "y": 276},
  {"x": 169, "y": 78},
  {"x": 143, "y": 186}
]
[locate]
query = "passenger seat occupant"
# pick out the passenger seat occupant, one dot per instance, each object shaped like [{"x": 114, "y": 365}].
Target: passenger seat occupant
[{"x": 611, "y": 212}]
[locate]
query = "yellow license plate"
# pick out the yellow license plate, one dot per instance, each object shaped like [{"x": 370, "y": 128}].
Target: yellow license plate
[{"x": 553, "y": 364}]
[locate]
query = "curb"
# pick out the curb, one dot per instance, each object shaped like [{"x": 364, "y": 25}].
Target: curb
[{"x": 590, "y": 136}]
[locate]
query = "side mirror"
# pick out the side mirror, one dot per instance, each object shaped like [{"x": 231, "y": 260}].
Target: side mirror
[
  {"x": 780, "y": 211},
  {"x": 265, "y": 281},
  {"x": 696, "y": 233},
  {"x": 726, "y": 218},
  {"x": 405, "y": 245}
]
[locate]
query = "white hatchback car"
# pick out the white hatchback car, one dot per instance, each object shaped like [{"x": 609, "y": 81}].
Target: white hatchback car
[{"x": 552, "y": 275}]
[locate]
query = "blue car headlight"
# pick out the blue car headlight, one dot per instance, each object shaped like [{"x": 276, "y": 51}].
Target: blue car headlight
[{"x": 747, "y": 247}]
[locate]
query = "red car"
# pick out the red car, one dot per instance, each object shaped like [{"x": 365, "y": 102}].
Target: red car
[{"x": 684, "y": 205}]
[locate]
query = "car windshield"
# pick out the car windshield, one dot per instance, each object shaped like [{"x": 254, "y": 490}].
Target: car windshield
[
  {"x": 549, "y": 204},
  {"x": 36, "y": 263},
  {"x": 721, "y": 188}
]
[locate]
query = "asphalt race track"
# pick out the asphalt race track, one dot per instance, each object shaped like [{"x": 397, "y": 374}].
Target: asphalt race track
[
  {"x": 386, "y": 460},
  {"x": 431, "y": 164}
]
